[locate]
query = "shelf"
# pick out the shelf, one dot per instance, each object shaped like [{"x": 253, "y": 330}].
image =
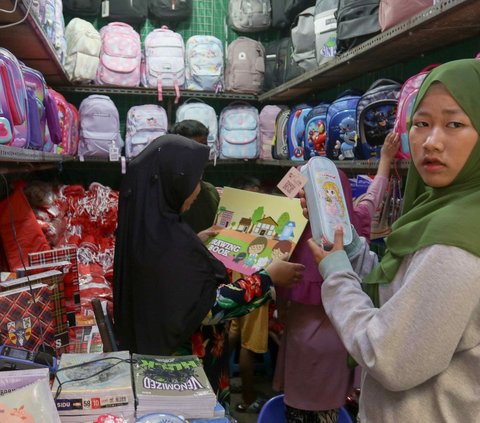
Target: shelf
[
  {"x": 13, "y": 154},
  {"x": 107, "y": 90},
  {"x": 29, "y": 43},
  {"x": 448, "y": 22},
  {"x": 353, "y": 165}
]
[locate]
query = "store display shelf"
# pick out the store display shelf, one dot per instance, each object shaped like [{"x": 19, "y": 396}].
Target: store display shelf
[
  {"x": 13, "y": 154},
  {"x": 28, "y": 41},
  {"x": 101, "y": 89},
  {"x": 353, "y": 165},
  {"x": 447, "y": 22}
]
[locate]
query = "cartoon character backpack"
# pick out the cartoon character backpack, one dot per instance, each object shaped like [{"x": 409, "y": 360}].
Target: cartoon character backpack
[
  {"x": 376, "y": 113},
  {"x": 296, "y": 131},
  {"x": 342, "y": 126},
  {"x": 406, "y": 98},
  {"x": 144, "y": 124},
  {"x": 204, "y": 63},
  {"x": 315, "y": 138}
]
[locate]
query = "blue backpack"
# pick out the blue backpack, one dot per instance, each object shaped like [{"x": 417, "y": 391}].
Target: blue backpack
[
  {"x": 296, "y": 131},
  {"x": 315, "y": 138},
  {"x": 376, "y": 112},
  {"x": 342, "y": 126}
]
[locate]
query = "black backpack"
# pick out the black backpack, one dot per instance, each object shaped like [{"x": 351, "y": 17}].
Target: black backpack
[
  {"x": 275, "y": 54},
  {"x": 294, "y": 7},
  {"x": 279, "y": 19},
  {"x": 133, "y": 12},
  {"x": 82, "y": 8},
  {"x": 170, "y": 10},
  {"x": 357, "y": 21}
]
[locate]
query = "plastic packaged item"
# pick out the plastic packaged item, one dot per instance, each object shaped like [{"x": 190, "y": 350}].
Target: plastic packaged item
[
  {"x": 325, "y": 200},
  {"x": 160, "y": 418}
]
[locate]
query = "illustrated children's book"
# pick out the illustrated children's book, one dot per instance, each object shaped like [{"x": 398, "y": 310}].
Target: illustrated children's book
[{"x": 255, "y": 228}]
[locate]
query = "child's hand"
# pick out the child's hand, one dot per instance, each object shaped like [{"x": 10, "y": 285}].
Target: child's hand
[
  {"x": 207, "y": 233},
  {"x": 319, "y": 252},
  {"x": 303, "y": 203},
  {"x": 390, "y": 146},
  {"x": 285, "y": 274}
]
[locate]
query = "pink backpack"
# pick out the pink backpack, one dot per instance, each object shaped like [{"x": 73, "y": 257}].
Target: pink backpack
[
  {"x": 268, "y": 116},
  {"x": 406, "y": 98},
  {"x": 120, "y": 56},
  {"x": 65, "y": 118},
  {"x": 75, "y": 129}
]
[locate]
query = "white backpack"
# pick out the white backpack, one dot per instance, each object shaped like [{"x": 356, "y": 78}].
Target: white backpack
[
  {"x": 204, "y": 63},
  {"x": 198, "y": 110},
  {"x": 239, "y": 131},
  {"x": 164, "y": 61},
  {"x": 120, "y": 56},
  {"x": 99, "y": 127},
  {"x": 249, "y": 16},
  {"x": 144, "y": 124},
  {"x": 83, "y": 50}
]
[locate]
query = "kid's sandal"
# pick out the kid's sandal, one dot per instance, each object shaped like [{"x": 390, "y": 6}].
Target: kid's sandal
[{"x": 253, "y": 408}]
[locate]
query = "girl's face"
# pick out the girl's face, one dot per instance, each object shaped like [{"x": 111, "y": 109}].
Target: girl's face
[
  {"x": 190, "y": 199},
  {"x": 441, "y": 137}
]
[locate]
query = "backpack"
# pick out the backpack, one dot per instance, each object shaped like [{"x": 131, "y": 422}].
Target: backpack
[
  {"x": 357, "y": 21},
  {"x": 249, "y": 16},
  {"x": 15, "y": 115},
  {"x": 376, "y": 113},
  {"x": 245, "y": 67},
  {"x": 294, "y": 7},
  {"x": 66, "y": 121},
  {"x": 204, "y": 63},
  {"x": 291, "y": 67},
  {"x": 279, "y": 140},
  {"x": 196, "y": 109},
  {"x": 279, "y": 19},
  {"x": 303, "y": 39},
  {"x": 83, "y": 50},
  {"x": 99, "y": 127},
  {"x": 144, "y": 124},
  {"x": 239, "y": 131},
  {"x": 296, "y": 131},
  {"x": 170, "y": 10},
  {"x": 392, "y": 12},
  {"x": 133, "y": 12},
  {"x": 406, "y": 98},
  {"x": 84, "y": 8},
  {"x": 315, "y": 138},
  {"x": 325, "y": 30},
  {"x": 55, "y": 29},
  {"x": 342, "y": 131},
  {"x": 275, "y": 63},
  {"x": 268, "y": 116},
  {"x": 75, "y": 129},
  {"x": 120, "y": 56},
  {"x": 164, "y": 61}
]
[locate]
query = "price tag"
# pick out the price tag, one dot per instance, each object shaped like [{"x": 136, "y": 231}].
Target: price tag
[
  {"x": 105, "y": 8},
  {"x": 292, "y": 183},
  {"x": 114, "y": 153}
]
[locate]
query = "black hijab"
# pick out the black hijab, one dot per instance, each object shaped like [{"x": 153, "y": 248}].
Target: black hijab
[{"x": 165, "y": 279}]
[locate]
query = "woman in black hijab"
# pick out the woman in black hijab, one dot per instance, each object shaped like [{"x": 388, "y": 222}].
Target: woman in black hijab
[{"x": 165, "y": 280}]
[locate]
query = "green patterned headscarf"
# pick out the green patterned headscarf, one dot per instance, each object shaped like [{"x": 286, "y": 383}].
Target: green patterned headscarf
[{"x": 447, "y": 215}]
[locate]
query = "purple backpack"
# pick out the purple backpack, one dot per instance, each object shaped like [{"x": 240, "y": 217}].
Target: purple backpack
[{"x": 16, "y": 98}]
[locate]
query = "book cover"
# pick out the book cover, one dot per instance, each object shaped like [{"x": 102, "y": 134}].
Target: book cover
[
  {"x": 174, "y": 376},
  {"x": 254, "y": 229},
  {"x": 26, "y": 317}
]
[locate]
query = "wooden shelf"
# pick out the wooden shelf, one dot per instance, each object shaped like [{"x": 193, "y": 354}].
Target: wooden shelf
[
  {"x": 448, "y": 22},
  {"x": 29, "y": 43}
]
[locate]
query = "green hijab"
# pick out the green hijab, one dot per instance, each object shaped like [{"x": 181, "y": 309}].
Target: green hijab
[{"x": 447, "y": 215}]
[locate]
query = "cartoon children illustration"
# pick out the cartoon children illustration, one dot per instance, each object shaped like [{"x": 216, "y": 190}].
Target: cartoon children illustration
[
  {"x": 280, "y": 248},
  {"x": 254, "y": 249},
  {"x": 335, "y": 206}
]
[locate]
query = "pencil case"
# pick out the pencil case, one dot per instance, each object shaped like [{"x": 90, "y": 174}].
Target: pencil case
[{"x": 325, "y": 200}]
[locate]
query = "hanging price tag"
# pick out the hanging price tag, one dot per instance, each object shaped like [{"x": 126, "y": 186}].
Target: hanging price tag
[
  {"x": 105, "y": 8},
  {"x": 114, "y": 153},
  {"x": 292, "y": 183}
]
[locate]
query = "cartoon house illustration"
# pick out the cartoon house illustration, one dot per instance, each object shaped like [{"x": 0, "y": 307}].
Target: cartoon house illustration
[
  {"x": 244, "y": 224},
  {"x": 225, "y": 218},
  {"x": 265, "y": 227},
  {"x": 287, "y": 231}
]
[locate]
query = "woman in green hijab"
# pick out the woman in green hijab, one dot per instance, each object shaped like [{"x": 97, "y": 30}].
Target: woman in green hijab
[{"x": 420, "y": 347}]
